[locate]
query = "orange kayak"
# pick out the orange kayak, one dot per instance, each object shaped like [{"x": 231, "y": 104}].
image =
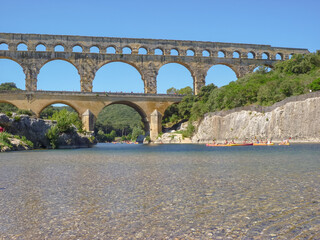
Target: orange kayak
[
  {"x": 284, "y": 144},
  {"x": 241, "y": 144},
  {"x": 263, "y": 144},
  {"x": 228, "y": 145},
  {"x": 217, "y": 145}
]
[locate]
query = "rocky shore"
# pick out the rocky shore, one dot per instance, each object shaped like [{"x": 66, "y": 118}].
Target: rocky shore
[
  {"x": 297, "y": 118},
  {"x": 35, "y": 129}
]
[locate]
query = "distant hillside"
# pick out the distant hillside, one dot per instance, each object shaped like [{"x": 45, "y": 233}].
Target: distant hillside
[{"x": 121, "y": 118}]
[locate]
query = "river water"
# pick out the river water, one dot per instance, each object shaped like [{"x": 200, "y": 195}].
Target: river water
[{"x": 115, "y": 191}]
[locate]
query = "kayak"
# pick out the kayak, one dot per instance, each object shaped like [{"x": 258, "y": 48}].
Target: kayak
[
  {"x": 284, "y": 144},
  {"x": 217, "y": 145},
  {"x": 263, "y": 144},
  {"x": 241, "y": 144},
  {"x": 228, "y": 145}
]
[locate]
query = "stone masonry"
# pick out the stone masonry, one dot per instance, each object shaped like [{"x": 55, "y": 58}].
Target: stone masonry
[{"x": 146, "y": 55}]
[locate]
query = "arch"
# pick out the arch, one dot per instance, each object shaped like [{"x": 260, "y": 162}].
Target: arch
[
  {"x": 265, "y": 55},
  {"x": 221, "y": 75},
  {"x": 111, "y": 50},
  {"x": 126, "y": 50},
  {"x": 8, "y": 102},
  {"x": 13, "y": 59},
  {"x": 190, "y": 52},
  {"x": 59, "y": 66},
  {"x": 77, "y": 48},
  {"x": 136, "y": 107},
  {"x": 143, "y": 51},
  {"x": 251, "y": 55},
  {"x": 60, "y": 102},
  {"x": 206, "y": 53},
  {"x": 236, "y": 54},
  {"x": 7, "y": 106},
  {"x": 12, "y": 71},
  {"x": 22, "y": 47},
  {"x": 112, "y": 74},
  {"x": 94, "y": 49},
  {"x": 158, "y": 51},
  {"x": 174, "y": 52},
  {"x": 264, "y": 68},
  {"x": 279, "y": 56},
  {"x": 174, "y": 76},
  {"x": 41, "y": 47},
  {"x": 4, "y": 46},
  {"x": 59, "y": 48},
  {"x": 221, "y": 54},
  {"x": 130, "y": 104}
]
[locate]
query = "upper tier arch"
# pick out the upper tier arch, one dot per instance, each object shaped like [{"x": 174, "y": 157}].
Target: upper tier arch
[{"x": 148, "y": 64}]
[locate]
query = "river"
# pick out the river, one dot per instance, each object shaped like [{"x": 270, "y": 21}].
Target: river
[{"x": 115, "y": 191}]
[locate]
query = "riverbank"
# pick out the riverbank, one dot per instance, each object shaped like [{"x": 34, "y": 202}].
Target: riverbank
[
  {"x": 296, "y": 118},
  {"x": 23, "y": 132}
]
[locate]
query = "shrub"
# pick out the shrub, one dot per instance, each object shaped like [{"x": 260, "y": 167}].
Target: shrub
[
  {"x": 53, "y": 135},
  {"x": 24, "y": 111},
  {"x": 136, "y": 132},
  {"x": 26, "y": 141},
  {"x": 9, "y": 114},
  {"x": 188, "y": 133},
  {"x": 148, "y": 139},
  {"x": 17, "y": 118},
  {"x": 4, "y": 139},
  {"x": 91, "y": 139},
  {"x": 66, "y": 120},
  {"x": 109, "y": 137},
  {"x": 315, "y": 85}
]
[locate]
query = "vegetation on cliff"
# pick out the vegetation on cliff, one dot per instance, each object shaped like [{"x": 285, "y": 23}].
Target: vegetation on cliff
[
  {"x": 296, "y": 76},
  {"x": 9, "y": 142}
]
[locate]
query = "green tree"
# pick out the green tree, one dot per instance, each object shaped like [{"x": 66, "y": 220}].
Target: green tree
[
  {"x": 315, "y": 85},
  {"x": 66, "y": 120},
  {"x": 7, "y": 107},
  {"x": 183, "y": 91},
  {"x": 136, "y": 132},
  {"x": 9, "y": 86}
]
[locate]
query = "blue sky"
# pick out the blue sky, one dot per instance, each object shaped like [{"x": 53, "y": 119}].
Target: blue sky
[{"x": 281, "y": 23}]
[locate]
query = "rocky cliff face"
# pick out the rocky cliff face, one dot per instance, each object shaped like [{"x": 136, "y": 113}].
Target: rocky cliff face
[
  {"x": 299, "y": 120},
  {"x": 35, "y": 129}
]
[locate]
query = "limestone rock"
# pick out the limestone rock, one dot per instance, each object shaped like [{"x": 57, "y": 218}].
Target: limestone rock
[
  {"x": 298, "y": 120},
  {"x": 35, "y": 129}
]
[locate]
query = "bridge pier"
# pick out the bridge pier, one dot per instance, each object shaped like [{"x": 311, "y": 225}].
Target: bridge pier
[
  {"x": 155, "y": 124},
  {"x": 88, "y": 121}
]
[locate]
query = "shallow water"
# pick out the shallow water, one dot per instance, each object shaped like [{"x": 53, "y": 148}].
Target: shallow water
[{"x": 115, "y": 191}]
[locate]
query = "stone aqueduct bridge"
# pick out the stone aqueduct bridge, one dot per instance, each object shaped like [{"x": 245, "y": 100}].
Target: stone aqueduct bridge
[{"x": 150, "y": 106}]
